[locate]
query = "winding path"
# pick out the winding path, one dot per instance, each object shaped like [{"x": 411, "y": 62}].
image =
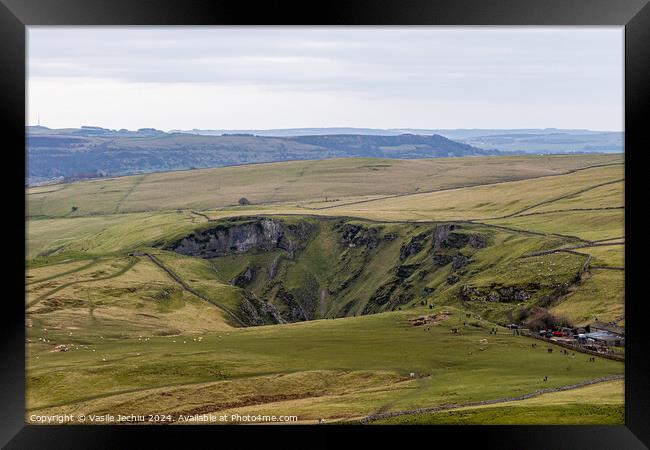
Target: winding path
[{"x": 447, "y": 407}]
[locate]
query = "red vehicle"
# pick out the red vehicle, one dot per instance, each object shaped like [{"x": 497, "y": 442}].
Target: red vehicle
[{"x": 558, "y": 333}]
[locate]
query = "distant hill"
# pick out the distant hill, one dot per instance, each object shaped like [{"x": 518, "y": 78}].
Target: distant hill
[
  {"x": 88, "y": 152},
  {"x": 529, "y": 140}
]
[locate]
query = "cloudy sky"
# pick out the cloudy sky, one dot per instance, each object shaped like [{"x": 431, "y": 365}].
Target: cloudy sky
[{"x": 281, "y": 77}]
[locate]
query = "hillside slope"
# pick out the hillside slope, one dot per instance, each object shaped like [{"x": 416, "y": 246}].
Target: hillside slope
[
  {"x": 316, "y": 184},
  {"x": 159, "y": 294},
  {"x": 78, "y": 154}
]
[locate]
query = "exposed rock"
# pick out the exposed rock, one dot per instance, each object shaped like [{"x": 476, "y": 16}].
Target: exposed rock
[
  {"x": 382, "y": 296},
  {"x": 258, "y": 234},
  {"x": 243, "y": 278},
  {"x": 295, "y": 237},
  {"x": 440, "y": 235},
  {"x": 456, "y": 240},
  {"x": 307, "y": 295},
  {"x": 477, "y": 240},
  {"x": 558, "y": 291},
  {"x": 294, "y": 312},
  {"x": 453, "y": 279},
  {"x": 354, "y": 235},
  {"x": 413, "y": 247},
  {"x": 389, "y": 296},
  {"x": 258, "y": 312},
  {"x": 459, "y": 261},
  {"x": 443, "y": 237},
  {"x": 441, "y": 260},
  {"x": 273, "y": 268},
  {"x": 428, "y": 290},
  {"x": 406, "y": 270},
  {"x": 390, "y": 236},
  {"x": 505, "y": 294},
  {"x": 347, "y": 307},
  {"x": 467, "y": 292},
  {"x": 512, "y": 294}
]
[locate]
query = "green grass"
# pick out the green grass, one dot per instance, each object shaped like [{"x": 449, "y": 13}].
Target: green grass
[
  {"x": 99, "y": 235},
  {"x": 587, "y": 225},
  {"x": 200, "y": 274},
  {"x": 379, "y": 343},
  {"x": 607, "y": 256},
  {"x": 118, "y": 298},
  {"x": 608, "y": 196},
  {"x": 579, "y": 414},
  {"x": 481, "y": 202},
  {"x": 291, "y": 181},
  {"x": 140, "y": 343},
  {"x": 601, "y": 296},
  {"x": 598, "y": 404}
]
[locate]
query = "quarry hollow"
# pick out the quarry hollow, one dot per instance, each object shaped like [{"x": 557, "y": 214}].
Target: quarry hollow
[{"x": 301, "y": 268}]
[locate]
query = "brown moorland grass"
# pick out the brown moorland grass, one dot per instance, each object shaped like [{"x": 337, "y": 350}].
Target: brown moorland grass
[{"x": 293, "y": 181}]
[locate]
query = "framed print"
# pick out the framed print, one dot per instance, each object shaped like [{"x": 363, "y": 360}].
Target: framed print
[{"x": 354, "y": 220}]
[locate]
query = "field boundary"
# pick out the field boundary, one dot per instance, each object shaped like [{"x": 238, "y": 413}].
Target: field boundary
[
  {"x": 67, "y": 272},
  {"x": 562, "y": 197},
  {"x": 568, "y": 249},
  {"x": 555, "y": 211},
  {"x": 129, "y": 265},
  {"x": 189, "y": 289},
  {"x": 132, "y": 188},
  {"x": 447, "y": 407},
  {"x": 129, "y": 191},
  {"x": 405, "y": 194},
  {"x": 522, "y": 231},
  {"x": 575, "y": 348}
]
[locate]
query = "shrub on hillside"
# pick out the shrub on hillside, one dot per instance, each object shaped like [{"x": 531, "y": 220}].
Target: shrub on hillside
[{"x": 541, "y": 318}]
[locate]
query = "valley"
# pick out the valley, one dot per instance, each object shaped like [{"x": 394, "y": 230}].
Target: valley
[{"x": 165, "y": 293}]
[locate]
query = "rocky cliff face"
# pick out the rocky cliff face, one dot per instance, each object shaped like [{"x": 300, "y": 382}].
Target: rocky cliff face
[
  {"x": 297, "y": 269},
  {"x": 256, "y": 235}
]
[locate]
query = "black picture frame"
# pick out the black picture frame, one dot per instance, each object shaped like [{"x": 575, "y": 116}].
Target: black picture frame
[{"x": 15, "y": 15}]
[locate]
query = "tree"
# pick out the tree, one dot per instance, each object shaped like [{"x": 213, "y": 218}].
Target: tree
[
  {"x": 243, "y": 201},
  {"x": 541, "y": 318}
]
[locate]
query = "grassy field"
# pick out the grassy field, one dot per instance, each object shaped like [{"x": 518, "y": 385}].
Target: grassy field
[
  {"x": 296, "y": 181},
  {"x": 100, "y": 235},
  {"x": 483, "y": 202},
  {"x": 323, "y": 361},
  {"x": 599, "y": 404},
  {"x": 110, "y": 301},
  {"x": 608, "y": 256},
  {"x": 600, "y": 297},
  {"x": 140, "y": 342},
  {"x": 587, "y": 225}
]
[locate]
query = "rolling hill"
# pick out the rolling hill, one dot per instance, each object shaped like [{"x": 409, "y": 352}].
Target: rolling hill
[
  {"x": 534, "y": 140},
  {"x": 92, "y": 152},
  {"x": 345, "y": 289}
]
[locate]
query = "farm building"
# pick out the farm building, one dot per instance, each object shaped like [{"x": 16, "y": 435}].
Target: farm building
[
  {"x": 606, "y": 338},
  {"x": 602, "y": 326}
]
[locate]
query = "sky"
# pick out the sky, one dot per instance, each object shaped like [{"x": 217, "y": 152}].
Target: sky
[{"x": 293, "y": 77}]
